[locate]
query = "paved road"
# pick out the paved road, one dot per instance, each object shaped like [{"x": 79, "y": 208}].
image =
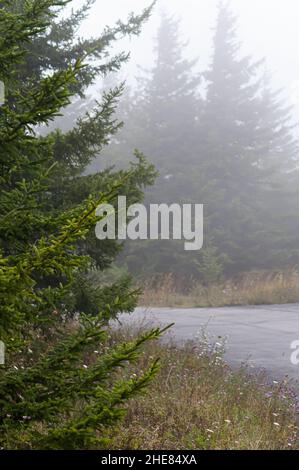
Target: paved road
[{"x": 261, "y": 336}]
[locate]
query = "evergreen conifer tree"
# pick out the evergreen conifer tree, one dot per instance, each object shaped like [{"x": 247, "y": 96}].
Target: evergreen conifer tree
[
  {"x": 163, "y": 115},
  {"x": 246, "y": 146},
  {"x": 50, "y": 398},
  {"x": 82, "y": 138}
]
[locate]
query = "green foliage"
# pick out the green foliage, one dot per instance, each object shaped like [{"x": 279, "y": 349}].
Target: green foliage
[
  {"x": 88, "y": 126},
  {"x": 50, "y": 398}
]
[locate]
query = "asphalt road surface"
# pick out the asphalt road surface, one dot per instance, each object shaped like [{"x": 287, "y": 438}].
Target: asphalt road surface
[{"x": 261, "y": 336}]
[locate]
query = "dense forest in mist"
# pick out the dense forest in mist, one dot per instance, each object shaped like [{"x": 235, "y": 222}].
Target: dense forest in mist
[{"x": 224, "y": 138}]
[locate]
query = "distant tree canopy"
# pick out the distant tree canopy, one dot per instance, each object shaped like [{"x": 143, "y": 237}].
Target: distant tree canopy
[
  {"x": 57, "y": 387},
  {"x": 247, "y": 144},
  {"x": 231, "y": 148}
]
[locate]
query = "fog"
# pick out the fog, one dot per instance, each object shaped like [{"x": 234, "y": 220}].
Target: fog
[{"x": 267, "y": 28}]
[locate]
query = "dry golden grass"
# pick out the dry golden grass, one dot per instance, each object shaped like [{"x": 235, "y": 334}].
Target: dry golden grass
[
  {"x": 256, "y": 288},
  {"x": 197, "y": 402}
]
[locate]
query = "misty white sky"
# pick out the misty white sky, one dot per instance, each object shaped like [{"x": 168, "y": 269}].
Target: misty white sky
[{"x": 267, "y": 28}]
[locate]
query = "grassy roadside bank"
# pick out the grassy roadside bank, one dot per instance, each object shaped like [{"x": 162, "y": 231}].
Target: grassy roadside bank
[
  {"x": 256, "y": 288},
  {"x": 198, "y": 402}
]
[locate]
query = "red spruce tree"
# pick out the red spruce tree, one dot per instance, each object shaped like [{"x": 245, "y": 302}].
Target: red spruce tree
[{"x": 50, "y": 398}]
